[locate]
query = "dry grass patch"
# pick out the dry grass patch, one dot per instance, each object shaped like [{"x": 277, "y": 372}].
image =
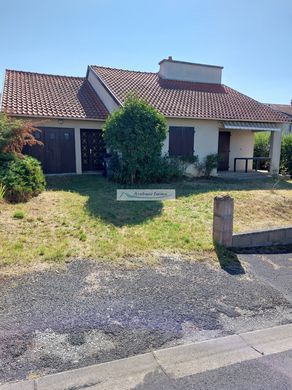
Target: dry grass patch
[{"x": 79, "y": 217}]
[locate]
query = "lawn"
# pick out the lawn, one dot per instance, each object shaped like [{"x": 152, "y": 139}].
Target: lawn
[{"x": 78, "y": 217}]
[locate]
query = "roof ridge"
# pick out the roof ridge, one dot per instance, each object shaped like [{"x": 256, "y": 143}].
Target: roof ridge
[
  {"x": 44, "y": 74},
  {"x": 124, "y": 70}
]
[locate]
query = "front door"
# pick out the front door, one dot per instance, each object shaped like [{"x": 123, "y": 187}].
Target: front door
[
  {"x": 223, "y": 150},
  {"x": 92, "y": 149}
]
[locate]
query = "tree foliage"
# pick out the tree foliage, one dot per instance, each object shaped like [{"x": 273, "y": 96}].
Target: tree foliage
[
  {"x": 135, "y": 134},
  {"x": 286, "y": 155},
  {"x": 15, "y": 134}
]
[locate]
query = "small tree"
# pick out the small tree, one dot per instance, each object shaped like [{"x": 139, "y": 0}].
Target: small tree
[
  {"x": 15, "y": 134},
  {"x": 135, "y": 135}
]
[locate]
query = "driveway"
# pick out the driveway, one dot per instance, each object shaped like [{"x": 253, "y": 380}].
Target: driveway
[{"x": 90, "y": 312}]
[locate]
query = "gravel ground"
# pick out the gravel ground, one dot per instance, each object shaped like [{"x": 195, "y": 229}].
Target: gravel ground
[{"x": 92, "y": 312}]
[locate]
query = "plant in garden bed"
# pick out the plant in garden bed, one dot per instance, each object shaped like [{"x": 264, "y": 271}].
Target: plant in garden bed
[
  {"x": 206, "y": 166},
  {"x": 21, "y": 175}
]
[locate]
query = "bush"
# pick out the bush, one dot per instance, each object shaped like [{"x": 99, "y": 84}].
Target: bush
[
  {"x": 209, "y": 163},
  {"x": 166, "y": 169},
  {"x": 135, "y": 134},
  {"x": 23, "y": 178},
  {"x": 286, "y": 155},
  {"x": 262, "y": 148}
]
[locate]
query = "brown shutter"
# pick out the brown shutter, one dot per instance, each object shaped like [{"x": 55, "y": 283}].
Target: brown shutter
[{"x": 181, "y": 141}]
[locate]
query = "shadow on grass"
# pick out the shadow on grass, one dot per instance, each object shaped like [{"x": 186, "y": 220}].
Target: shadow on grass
[
  {"x": 102, "y": 203},
  {"x": 101, "y": 200},
  {"x": 228, "y": 260}
]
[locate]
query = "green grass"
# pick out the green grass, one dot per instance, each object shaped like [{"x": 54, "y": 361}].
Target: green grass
[
  {"x": 78, "y": 216},
  {"x": 18, "y": 214}
]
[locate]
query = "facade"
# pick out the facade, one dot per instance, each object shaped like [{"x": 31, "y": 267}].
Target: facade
[{"x": 204, "y": 116}]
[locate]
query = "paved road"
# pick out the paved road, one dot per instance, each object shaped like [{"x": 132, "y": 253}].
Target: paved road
[
  {"x": 92, "y": 312},
  {"x": 273, "y": 372},
  {"x": 272, "y": 269}
]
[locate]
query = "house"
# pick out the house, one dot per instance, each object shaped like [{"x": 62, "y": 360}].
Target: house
[
  {"x": 287, "y": 110},
  {"x": 204, "y": 116}
]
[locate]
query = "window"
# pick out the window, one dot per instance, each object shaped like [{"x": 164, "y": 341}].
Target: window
[{"x": 181, "y": 141}]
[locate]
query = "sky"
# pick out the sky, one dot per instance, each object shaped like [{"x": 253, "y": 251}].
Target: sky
[{"x": 251, "y": 39}]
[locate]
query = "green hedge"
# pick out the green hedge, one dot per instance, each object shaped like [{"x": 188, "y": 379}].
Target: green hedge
[
  {"x": 23, "y": 178},
  {"x": 286, "y": 155},
  {"x": 262, "y": 148}
]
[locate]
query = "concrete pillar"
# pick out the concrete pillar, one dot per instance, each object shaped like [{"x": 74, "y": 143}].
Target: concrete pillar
[
  {"x": 275, "y": 151},
  {"x": 78, "y": 150},
  {"x": 223, "y": 220}
]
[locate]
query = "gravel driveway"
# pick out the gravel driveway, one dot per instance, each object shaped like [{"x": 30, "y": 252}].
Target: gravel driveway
[{"x": 92, "y": 312}]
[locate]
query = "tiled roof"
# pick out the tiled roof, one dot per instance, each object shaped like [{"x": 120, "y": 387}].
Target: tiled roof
[
  {"x": 186, "y": 99},
  {"x": 50, "y": 96},
  {"x": 285, "y": 108}
]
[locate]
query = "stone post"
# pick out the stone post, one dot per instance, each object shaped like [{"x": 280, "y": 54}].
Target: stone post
[{"x": 223, "y": 220}]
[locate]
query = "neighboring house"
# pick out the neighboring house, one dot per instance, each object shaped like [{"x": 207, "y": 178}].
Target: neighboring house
[
  {"x": 204, "y": 116},
  {"x": 287, "y": 110}
]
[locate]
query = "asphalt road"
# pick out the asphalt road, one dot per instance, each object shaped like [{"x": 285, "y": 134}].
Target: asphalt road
[
  {"x": 92, "y": 312},
  {"x": 273, "y": 372},
  {"x": 273, "y": 269}
]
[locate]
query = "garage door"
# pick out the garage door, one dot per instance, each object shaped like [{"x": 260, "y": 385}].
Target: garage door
[{"x": 57, "y": 155}]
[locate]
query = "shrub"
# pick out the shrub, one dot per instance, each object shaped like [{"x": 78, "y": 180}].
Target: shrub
[
  {"x": 262, "y": 148},
  {"x": 166, "y": 169},
  {"x": 22, "y": 177},
  {"x": 209, "y": 163},
  {"x": 286, "y": 155},
  {"x": 135, "y": 134}
]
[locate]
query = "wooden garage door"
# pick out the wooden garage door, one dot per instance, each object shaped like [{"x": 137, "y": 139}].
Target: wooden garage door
[{"x": 57, "y": 155}]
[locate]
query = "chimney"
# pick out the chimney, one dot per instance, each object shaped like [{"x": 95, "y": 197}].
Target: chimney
[{"x": 187, "y": 71}]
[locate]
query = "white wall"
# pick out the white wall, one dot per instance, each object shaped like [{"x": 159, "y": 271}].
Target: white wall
[
  {"x": 179, "y": 70},
  {"x": 205, "y": 137},
  {"x": 101, "y": 91},
  {"x": 241, "y": 145}
]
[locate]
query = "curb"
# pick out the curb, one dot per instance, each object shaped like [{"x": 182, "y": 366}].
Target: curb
[{"x": 170, "y": 363}]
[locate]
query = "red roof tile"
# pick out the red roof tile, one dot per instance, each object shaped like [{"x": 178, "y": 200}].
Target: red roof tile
[
  {"x": 43, "y": 95},
  {"x": 175, "y": 98},
  {"x": 284, "y": 108}
]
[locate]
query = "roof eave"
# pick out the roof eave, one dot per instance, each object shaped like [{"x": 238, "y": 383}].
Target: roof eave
[
  {"x": 224, "y": 119},
  {"x": 54, "y": 117}
]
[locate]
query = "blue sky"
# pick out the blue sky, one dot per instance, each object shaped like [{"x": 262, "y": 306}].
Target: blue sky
[{"x": 252, "y": 39}]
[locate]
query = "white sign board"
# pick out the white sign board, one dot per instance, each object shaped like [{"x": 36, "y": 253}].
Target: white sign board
[{"x": 142, "y": 195}]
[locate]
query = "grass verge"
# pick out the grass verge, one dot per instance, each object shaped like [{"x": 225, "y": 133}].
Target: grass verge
[{"x": 78, "y": 216}]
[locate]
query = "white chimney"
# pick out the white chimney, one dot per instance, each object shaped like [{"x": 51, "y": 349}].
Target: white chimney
[{"x": 188, "y": 71}]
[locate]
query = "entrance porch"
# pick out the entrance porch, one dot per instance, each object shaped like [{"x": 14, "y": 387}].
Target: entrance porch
[{"x": 236, "y": 148}]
